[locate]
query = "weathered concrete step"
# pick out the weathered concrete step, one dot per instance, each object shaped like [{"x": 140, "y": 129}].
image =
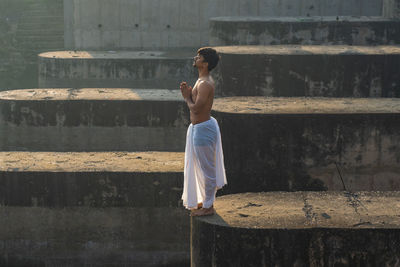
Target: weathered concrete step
[
  {"x": 41, "y": 25},
  {"x": 39, "y": 48},
  {"x": 320, "y": 70},
  {"x": 81, "y": 236},
  {"x": 43, "y": 38},
  {"x": 40, "y": 32},
  {"x": 299, "y": 229},
  {"x": 42, "y": 45},
  {"x": 302, "y": 143},
  {"x": 304, "y": 30},
  {"x": 91, "y": 179},
  {"x": 105, "y": 119},
  {"x": 42, "y": 11},
  {"x": 140, "y": 69},
  {"x": 34, "y": 19}
]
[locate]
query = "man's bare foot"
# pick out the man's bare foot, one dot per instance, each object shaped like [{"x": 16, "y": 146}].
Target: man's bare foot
[{"x": 203, "y": 212}]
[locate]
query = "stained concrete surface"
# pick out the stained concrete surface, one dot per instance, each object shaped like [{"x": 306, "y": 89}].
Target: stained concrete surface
[
  {"x": 105, "y": 119},
  {"x": 142, "y": 162},
  {"x": 314, "y": 70},
  {"x": 302, "y": 210},
  {"x": 274, "y": 144},
  {"x": 137, "y": 69},
  {"x": 92, "y": 94},
  {"x": 331, "y": 30},
  {"x": 299, "y": 229},
  {"x": 103, "y": 179},
  {"x": 306, "y": 105}
]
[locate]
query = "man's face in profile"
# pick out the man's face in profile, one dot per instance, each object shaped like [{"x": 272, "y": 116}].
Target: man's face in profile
[{"x": 197, "y": 60}]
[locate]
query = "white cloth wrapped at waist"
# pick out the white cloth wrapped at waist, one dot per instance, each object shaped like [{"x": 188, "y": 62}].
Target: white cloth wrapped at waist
[{"x": 204, "y": 171}]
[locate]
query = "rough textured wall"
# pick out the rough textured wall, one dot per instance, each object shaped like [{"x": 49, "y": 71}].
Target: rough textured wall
[
  {"x": 99, "y": 24},
  {"x": 279, "y": 152},
  {"x": 27, "y": 27},
  {"x": 391, "y": 8},
  {"x": 329, "y": 71}
]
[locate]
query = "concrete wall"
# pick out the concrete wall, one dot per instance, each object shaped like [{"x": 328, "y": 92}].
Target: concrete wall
[
  {"x": 27, "y": 27},
  {"x": 391, "y": 8},
  {"x": 102, "y": 24},
  {"x": 304, "y": 30}
]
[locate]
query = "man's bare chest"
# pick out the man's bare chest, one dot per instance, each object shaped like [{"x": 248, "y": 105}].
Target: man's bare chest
[{"x": 194, "y": 93}]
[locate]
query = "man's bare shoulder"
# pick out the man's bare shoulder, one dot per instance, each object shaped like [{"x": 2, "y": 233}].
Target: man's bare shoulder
[{"x": 205, "y": 85}]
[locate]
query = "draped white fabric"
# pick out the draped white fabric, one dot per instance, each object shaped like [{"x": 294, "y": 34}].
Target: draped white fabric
[{"x": 204, "y": 171}]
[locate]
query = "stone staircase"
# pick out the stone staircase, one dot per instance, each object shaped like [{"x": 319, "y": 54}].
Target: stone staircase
[
  {"x": 41, "y": 26},
  {"x": 93, "y": 200},
  {"x": 114, "y": 203}
]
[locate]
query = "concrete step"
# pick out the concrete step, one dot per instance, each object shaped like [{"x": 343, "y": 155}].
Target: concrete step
[
  {"x": 31, "y": 38},
  {"x": 299, "y": 229},
  {"x": 139, "y": 69},
  {"x": 40, "y": 47},
  {"x": 105, "y": 119},
  {"x": 34, "y": 27},
  {"x": 41, "y": 32},
  {"x": 42, "y": 24},
  {"x": 297, "y": 70},
  {"x": 103, "y": 237},
  {"x": 105, "y": 209},
  {"x": 91, "y": 179},
  {"x": 297, "y": 143},
  {"x": 304, "y": 30},
  {"x": 40, "y": 11},
  {"x": 39, "y": 18}
]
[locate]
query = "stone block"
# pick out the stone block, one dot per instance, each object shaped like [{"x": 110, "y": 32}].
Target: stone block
[
  {"x": 98, "y": 208},
  {"x": 91, "y": 179},
  {"x": 127, "y": 69},
  {"x": 281, "y": 144},
  {"x": 299, "y": 229},
  {"x": 290, "y": 70},
  {"x": 93, "y": 120}
]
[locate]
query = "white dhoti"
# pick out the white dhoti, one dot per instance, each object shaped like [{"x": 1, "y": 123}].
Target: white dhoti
[{"x": 204, "y": 171}]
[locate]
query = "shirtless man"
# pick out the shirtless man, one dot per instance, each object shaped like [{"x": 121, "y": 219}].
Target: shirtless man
[{"x": 204, "y": 167}]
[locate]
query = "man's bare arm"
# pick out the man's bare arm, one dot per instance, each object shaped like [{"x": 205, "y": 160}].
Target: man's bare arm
[{"x": 203, "y": 92}]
